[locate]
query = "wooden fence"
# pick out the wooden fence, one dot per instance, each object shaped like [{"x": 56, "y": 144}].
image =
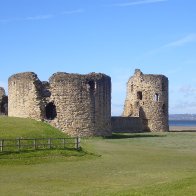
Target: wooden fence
[{"x": 22, "y": 144}]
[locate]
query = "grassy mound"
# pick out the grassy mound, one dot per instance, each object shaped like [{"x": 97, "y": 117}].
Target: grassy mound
[{"x": 11, "y": 128}]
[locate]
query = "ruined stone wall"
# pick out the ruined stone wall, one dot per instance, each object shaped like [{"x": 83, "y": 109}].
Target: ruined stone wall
[
  {"x": 83, "y": 103},
  {"x": 3, "y": 102},
  {"x": 2, "y": 92},
  {"x": 126, "y": 124},
  {"x": 147, "y": 97},
  {"x": 25, "y": 96},
  {"x": 102, "y": 96},
  {"x": 80, "y": 105}
]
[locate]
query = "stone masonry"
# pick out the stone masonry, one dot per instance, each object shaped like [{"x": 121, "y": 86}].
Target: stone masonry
[
  {"x": 3, "y": 102},
  {"x": 147, "y": 98},
  {"x": 80, "y": 105}
]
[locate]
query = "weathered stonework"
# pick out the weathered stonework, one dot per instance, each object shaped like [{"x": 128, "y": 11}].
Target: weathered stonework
[
  {"x": 25, "y": 96},
  {"x": 147, "y": 98},
  {"x": 80, "y": 105},
  {"x": 126, "y": 124},
  {"x": 3, "y": 102}
]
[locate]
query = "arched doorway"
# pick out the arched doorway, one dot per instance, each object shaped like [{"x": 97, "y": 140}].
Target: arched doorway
[
  {"x": 4, "y": 105},
  {"x": 51, "y": 111}
]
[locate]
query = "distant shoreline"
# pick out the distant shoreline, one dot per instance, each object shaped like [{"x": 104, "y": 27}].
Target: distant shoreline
[
  {"x": 182, "y": 128},
  {"x": 178, "y": 117}
]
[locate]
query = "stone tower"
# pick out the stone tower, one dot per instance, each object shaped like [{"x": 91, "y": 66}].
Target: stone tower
[
  {"x": 147, "y": 98},
  {"x": 25, "y": 96},
  {"x": 80, "y": 105}
]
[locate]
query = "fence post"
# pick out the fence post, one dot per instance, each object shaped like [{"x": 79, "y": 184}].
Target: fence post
[
  {"x": 77, "y": 143},
  {"x": 18, "y": 144},
  {"x": 34, "y": 144},
  {"x": 49, "y": 143},
  {"x": 63, "y": 142},
  {"x": 1, "y": 144}
]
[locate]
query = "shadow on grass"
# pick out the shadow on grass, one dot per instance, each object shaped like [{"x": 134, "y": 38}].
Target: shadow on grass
[
  {"x": 32, "y": 152},
  {"x": 182, "y": 131},
  {"x": 132, "y": 135}
]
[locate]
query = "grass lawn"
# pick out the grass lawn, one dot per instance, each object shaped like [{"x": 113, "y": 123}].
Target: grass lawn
[
  {"x": 18, "y": 127},
  {"x": 12, "y": 128},
  {"x": 130, "y": 164}
]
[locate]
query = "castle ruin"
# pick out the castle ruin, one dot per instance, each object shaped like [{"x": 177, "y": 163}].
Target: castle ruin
[
  {"x": 147, "y": 98},
  {"x": 80, "y": 105}
]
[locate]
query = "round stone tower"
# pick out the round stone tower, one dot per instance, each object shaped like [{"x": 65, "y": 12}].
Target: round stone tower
[
  {"x": 79, "y": 105},
  {"x": 25, "y": 97},
  {"x": 147, "y": 98},
  {"x": 82, "y": 103}
]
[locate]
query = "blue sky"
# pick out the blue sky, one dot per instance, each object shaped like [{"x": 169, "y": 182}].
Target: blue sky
[{"x": 109, "y": 36}]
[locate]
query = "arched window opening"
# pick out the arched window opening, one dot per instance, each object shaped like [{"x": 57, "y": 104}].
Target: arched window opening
[
  {"x": 91, "y": 85},
  {"x": 2, "y": 108},
  {"x": 156, "y": 97},
  {"x": 139, "y": 95},
  {"x": 51, "y": 111},
  {"x": 4, "y": 105}
]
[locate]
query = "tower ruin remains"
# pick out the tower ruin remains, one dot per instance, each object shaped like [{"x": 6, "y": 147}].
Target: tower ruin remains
[
  {"x": 80, "y": 105},
  {"x": 147, "y": 98}
]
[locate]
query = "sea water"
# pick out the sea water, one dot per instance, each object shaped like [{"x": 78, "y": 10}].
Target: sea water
[{"x": 185, "y": 123}]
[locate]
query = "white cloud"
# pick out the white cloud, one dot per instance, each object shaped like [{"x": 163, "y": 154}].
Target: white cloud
[
  {"x": 41, "y": 17},
  {"x": 73, "y": 12},
  {"x": 190, "y": 38},
  {"x": 137, "y": 3},
  {"x": 29, "y": 18}
]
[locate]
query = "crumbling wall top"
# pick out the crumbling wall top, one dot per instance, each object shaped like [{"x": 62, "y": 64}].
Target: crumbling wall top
[
  {"x": 138, "y": 72},
  {"x": 2, "y": 92},
  {"x": 24, "y": 75},
  {"x": 60, "y": 76},
  {"x": 147, "y": 77}
]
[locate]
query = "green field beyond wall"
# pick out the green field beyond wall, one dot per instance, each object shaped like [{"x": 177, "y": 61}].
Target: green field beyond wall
[{"x": 131, "y": 164}]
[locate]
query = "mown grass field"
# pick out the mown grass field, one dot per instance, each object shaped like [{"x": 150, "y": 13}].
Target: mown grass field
[{"x": 130, "y": 164}]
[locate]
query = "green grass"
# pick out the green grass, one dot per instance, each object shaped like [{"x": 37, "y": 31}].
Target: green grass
[
  {"x": 26, "y": 128},
  {"x": 124, "y": 164},
  {"x": 12, "y": 128}
]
